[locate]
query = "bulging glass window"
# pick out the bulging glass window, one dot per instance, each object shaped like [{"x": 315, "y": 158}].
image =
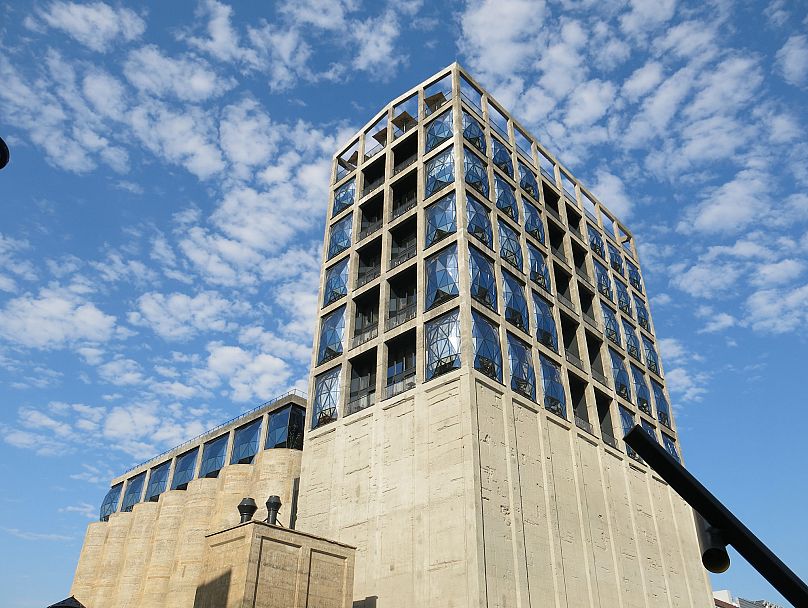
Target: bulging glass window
[
  {"x": 632, "y": 342},
  {"x": 326, "y": 397},
  {"x": 596, "y": 242},
  {"x": 642, "y": 314},
  {"x": 513, "y": 293},
  {"x": 534, "y": 225},
  {"x": 487, "y": 353},
  {"x": 527, "y": 181},
  {"x": 523, "y": 378},
  {"x": 615, "y": 259},
  {"x": 479, "y": 222},
  {"x": 473, "y": 132},
  {"x": 554, "y": 398},
  {"x": 506, "y": 198},
  {"x": 110, "y": 503},
  {"x": 245, "y": 442},
  {"x": 610, "y": 320},
  {"x": 158, "y": 480},
  {"x": 438, "y": 131},
  {"x": 650, "y": 429},
  {"x": 345, "y": 196},
  {"x": 620, "y": 375},
  {"x": 641, "y": 390},
  {"x": 336, "y": 282},
  {"x": 442, "y": 344},
  {"x": 627, "y": 422},
  {"x": 509, "y": 247},
  {"x": 662, "y": 408},
  {"x": 651, "y": 359},
  {"x": 670, "y": 446},
  {"x": 213, "y": 455},
  {"x": 441, "y": 219},
  {"x": 623, "y": 299},
  {"x": 184, "y": 469},
  {"x": 483, "y": 282},
  {"x": 539, "y": 272},
  {"x": 133, "y": 493},
  {"x": 332, "y": 333},
  {"x": 286, "y": 428},
  {"x": 441, "y": 277},
  {"x": 634, "y": 277},
  {"x": 502, "y": 157},
  {"x": 603, "y": 280},
  {"x": 439, "y": 172},
  {"x": 475, "y": 172},
  {"x": 340, "y": 236},
  {"x": 546, "y": 331}
]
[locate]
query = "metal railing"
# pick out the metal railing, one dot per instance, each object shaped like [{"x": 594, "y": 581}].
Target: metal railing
[
  {"x": 407, "y": 162},
  {"x": 366, "y": 275},
  {"x": 399, "y": 383},
  {"x": 366, "y": 334},
  {"x": 565, "y": 301},
  {"x": 357, "y": 403},
  {"x": 608, "y": 439},
  {"x": 558, "y": 251},
  {"x": 547, "y": 174},
  {"x": 575, "y": 360},
  {"x": 372, "y": 185},
  {"x": 585, "y": 276},
  {"x": 591, "y": 320},
  {"x": 584, "y": 425},
  {"x": 402, "y": 256},
  {"x": 400, "y": 316},
  {"x": 404, "y": 204},
  {"x": 370, "y": 229},
  {"x": 599, "y": 377},
  {"x": 475, "y": 106},
  {"x": 374, "y": 151}
]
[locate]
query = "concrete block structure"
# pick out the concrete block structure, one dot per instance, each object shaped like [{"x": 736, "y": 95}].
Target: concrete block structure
[{"x": 484, "y": 340}]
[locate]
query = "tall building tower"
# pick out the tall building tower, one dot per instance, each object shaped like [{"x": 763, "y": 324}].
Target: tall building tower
[{"x": 483, "y": 341}]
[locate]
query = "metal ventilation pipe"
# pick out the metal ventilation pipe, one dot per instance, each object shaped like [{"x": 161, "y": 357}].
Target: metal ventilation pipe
[
  {"x": 273, "y": 506},
  {"x": 247, "y": 509}
]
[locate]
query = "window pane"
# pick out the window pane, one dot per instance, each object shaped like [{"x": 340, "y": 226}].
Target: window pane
[
  {"x": 438, "y": 131},
  {"x": 623, "y": 300},
  {"x": 506, "y": 198},
  {"x": 332, "y": 333},
  {"x": 470, "y": 93},
  {"x": 596, "y": 242},
  {"x": 547, "y": 167},
  {"x": 509, "y": 247},
  {"x": 336, "y": 282},
  {"x": 539, "y": 272},
  {"x": 620, "y": 375},
  {"x": 483, "y": 282},
  {"x": 534, "y": 225},
  {"x": 134, "y": 490},
  {"x": 479, "y": 223},
  {"x": 473, "y": 132},
  {"x": 527, "y": 181},
  {"x": 642, "y": 314},
  {"x": 650, "y": 429},
  {"x": 442, "y": 344},
  {"x": 184, "y": 469},
  {"x": 651, "y": 359},
  {"x": 439, "y": 172},
  {"x": 326, "y": 397},
  {"x": 437, "y": 94},
  {"x": 569, "y": 187},
  {"x": 615, "y": 259},
  {"x": 634, "y": 277},
  {"x": 522, "y": 144},
  {"x": 523, "y": 378},
  {"x": 612, "y": 329},
  {"x": 441, "y": 219},
  {"x": 554, "y": 398},
  {"x": 546, "y": 332},
  {"x": 662, "y": 408},
  {"x": 515, "y": 303},
  {"x": 476, "y": 175},
  {"x": 502, "y": 157},
  {"x": 278, "y": 431},
  {"x": 641, "y": 390},
  {"x": 632, "y": 342},
  {"x": 603, "y": 280},
  {"x": 213, "y": 454},
  {"x": 441, "y": 277},
  {"x": 110, "y": 503},
  {"x": 345, "y": 196},
  {"x": 487, "y": 353},
  {"x": 245, "y": 442},
  {"x": 340, "y": 236},
  {"x": 158, "y": 480},
  {"x": 670, "y": 446}
]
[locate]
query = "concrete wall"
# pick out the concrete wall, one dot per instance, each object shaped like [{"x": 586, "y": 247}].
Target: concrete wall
[{"x": 153, "y": 556}]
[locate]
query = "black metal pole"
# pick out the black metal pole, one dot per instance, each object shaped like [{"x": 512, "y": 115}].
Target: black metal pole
[{"x": 733, "y": 532}]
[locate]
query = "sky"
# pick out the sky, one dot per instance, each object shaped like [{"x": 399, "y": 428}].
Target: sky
[{"x": 161, "y": 221}]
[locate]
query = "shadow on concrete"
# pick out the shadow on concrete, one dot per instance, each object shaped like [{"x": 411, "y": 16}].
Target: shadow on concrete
[
  {"x": 368, "y": 602},
  {"x": 214, "y": 593}
]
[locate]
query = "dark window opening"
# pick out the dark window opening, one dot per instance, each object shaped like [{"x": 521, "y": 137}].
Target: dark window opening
[
  {"x": 370, "y": 262},
  {"x": 404, "y": 194},
  {"x": 605, "y": 419},
  {"x": 363, "y": 382},
  {"x": 574, "y": 221},
  {"x": 405, "y": 154},
  {"x": 578, "y": 399},
  {"x": 402, "y": 302},
  {"x": 373, "y": 176},
  {"x": 579, "y": 261},
  {"x": 556, "y": 240},
  {"x": 400, "y": 364},
  {"x": 595, "y": 352},
  {"x": 366, "y": 320},
  {"x": 371, "y": 216},
  {"x": 403, "y": 244},
  {"x": 587, "y": 300},
  {"x": 286, "y": 428},
  {"x": 563, "y": 290},
  {"x": 569, "y": 335},
  {"x": 551, "y": 200}
]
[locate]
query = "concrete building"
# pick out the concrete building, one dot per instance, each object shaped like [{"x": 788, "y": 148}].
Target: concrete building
[{"x": 484, "y": 339}]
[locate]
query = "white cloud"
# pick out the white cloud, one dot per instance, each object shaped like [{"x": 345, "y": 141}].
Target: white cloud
[
  {"x": 643, "y": 80},
  {"x": 178, "y": 316},
  {"x": 378, "y": 51},
  {"x": 223, "y": 40},
  {"x": 249, "y": 375},
  {"x": 778, "y": 273},
  {"x": 719, "y": 322},
  {"x": 646, "y": 15},
  {"x": 732, "y": 206},
  {"x": 690, "y": 385},
  {"x": 708, "y": 279},
  {"x": 121, "y": 371},
  {"x": 37, "y": 536},
  {"x": 247, "y": 135},
  {"x": 84, "y": 509},
  {"x": 778, "y": 310},
  {"x": 106, "y": 94},
  {"x": 589, "y": 104},
  {"x": 95, "y": 25},
  {"x": 610, "y": 189},
  {"x": 792, "y": 59},
  {"x": 321, "y": 14}
]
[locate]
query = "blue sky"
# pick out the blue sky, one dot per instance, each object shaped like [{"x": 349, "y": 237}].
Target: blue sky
[{"x": 162, "y": 216}]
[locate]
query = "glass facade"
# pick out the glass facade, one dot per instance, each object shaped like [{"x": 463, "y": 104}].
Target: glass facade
[
  {"x": 603, "y": 280},
  {"x": 642, "y": 314},
  {"x": 641, "y": 391},
  {"x": 332, "y": 333},
  {"x": 326, "y": 397},
  {"x": 662, "y": 408},
  {"x": 623, "y": 300},
  {"x": 651, "y": 359},
  {"x": 158, "y": 480},
  {"x": 670, "y": 446},
  {"x": 336, "y": 282},
  {"x": 619, "y": 375},
  {"x": 441, "y": 277},
  {"x": 473, "y": 132},
  {"x": 345, "y": 196},
  {"x": 245, "y": 442},
  {"x": 442, "y": 337},
  {"x": 554, "y": 398},
  {"x": 632, "y": 341},
  {"x": 487, "y": 353},
  {"x": 650, "y": 429},
  {"x": 509, "y": 247},
  {"x": 441, "y": 219},
  {"x": 539, "y": 271},
  {"x": 502, "y": 157},
  {"x": 546, "y": 331},
  {"x": 506, "y": 198},
  {"x": 213, "y": 455},
  {"x": 627, "y": 422},
  {"x": 184, "y": 469},
  {"x": 612, "y": 330},
  {"x": 527, "y": 181},
  {"x": 534, "y": 225},
  {"x": 523, "y": 378},
  {"x": 513, "y": 293},
  {"x": 340, "y": 236},
  {"x": 285, "y": 428},
  {"x": 438, "y": 131},
  {"x": 133, "y": 492},
  {"x": 110, "y": 503},
  {"x": 596, "y": 242},
  {"x": 439, "y": 172},
  {"x": 475, "y": 172},
  {"x": 634, "y": 277},
  {"x": 616, "y": 259},
  {"x": 483, "y": 282},
  {"x": 479, "y": 221}
]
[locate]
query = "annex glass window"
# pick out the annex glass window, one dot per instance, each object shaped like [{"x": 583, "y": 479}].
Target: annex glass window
[
  {"x": 439, "y": 172},
  {"x": 336, "y": 282},
  {"x": 487, "y": 353},
  {"x": 615, "y": 259},
  {"x": 134, "y": 490},
  {"x": 619, "y": 375},
  {"x": 662, "y": 408},
  {"x": 441, "y": 277},
  {"x": 634, "y": 277},
  {"x": 603, "y": 280},
  {"x": 632, "y": 342},
  {"x": 441, "y": 219},
  {"x": 184, "y": 469},
  {"x": 534, "y": 225},
  {"x": 442, "y": 344},
  {"x": 471, "y": 95},
  {"x": 245, "y": 442},
  {"x": 527, "y": 181},
  {"x": 612, "y": 329},
  {"x": 650, "y": 429},
  {"x": 438, "y": 131},
  {"x": 547, "y": 167},
  {"x": 340, "y": 236},
  {"x": 554, "y": 399},
  {"x": 506, "y": 198},
  {"x": 670, "y": 446},
  {"x": 110, "y": 503},
  {"x": 475, "y": 173},
  {"x": 286, "y": 428},
  {"x": 332, "y": 333},
  {"x": 627, "y": 422},
  {"x": 651, "y": 359},
  {"x": 348, "y": 160},
  {"x": 158, "y": 481},
  {"x": 642, "y": 314},
  {"x": 539, "y": 271},
  {"x": 502, "y": 157},
  {"x": 479, "y": 222},
  {"x": 546, "y": 331},
  {"x": 483, "y": 282},
  {"x": 213, "y": 455},
  {"x": 515, "y": 303},
  {"x": 523, "y": 378},
  {"x": 473, "y": 132},
  {"x": 623, "y": 299},
  {"x": 596, "y": 242},
  {"x": 437, "y": 94},
  {"x": 509, "y": 247},
  {"x": 400, "y": 364},
  {"x": 344, "y": 196},
  {"x": 641, "y": 390},
  {"x": 326, "y": 397},
  {"x": 405, "y": 116}
]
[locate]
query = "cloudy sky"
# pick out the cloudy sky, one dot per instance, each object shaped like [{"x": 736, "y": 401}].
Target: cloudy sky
[{"x": 161, "y": 220}]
